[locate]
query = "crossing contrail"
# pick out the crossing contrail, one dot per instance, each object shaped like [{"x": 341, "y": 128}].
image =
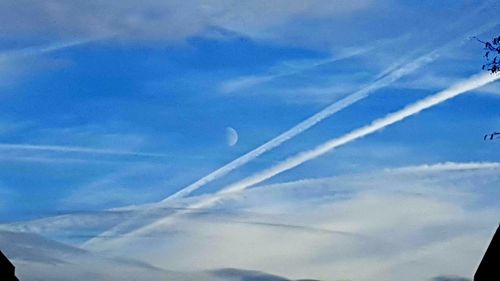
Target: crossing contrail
[
  {"x": 386, "y": 77},
  {"x": 469, "y": 84},
  {"x": 389, "y": 78},
  {"x": 306, "y": 124}
]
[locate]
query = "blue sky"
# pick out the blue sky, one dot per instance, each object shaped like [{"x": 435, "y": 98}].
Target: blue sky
[{"x": 105, "y": 105}]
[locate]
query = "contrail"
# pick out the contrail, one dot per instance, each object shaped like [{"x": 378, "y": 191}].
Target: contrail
[
  {"x": 471, "y": 83},
  {"x": 389, "y": 75},
  {"x": 386, "y": 77},
  {"x": 306, "y": 124},
  {"x": 277, "y": 141},
  {"x": 31, "y": 51},
  {"x": 75, "y": 149}
]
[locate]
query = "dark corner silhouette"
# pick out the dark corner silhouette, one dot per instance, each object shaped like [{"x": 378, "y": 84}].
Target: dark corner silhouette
[
  {"x": 489, "y": 268},
  {"x": 7, "y": 269}
]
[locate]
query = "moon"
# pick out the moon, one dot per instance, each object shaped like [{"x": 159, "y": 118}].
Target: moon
[{"x": 231, "y": 136}]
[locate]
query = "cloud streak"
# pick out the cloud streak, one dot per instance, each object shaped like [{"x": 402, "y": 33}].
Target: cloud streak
[
  {"x": 76, "y": 149},
  {"x": 33, "y": 51},
  {"x": 448, "y": 166},
  {"x": 245, "y": 82}
]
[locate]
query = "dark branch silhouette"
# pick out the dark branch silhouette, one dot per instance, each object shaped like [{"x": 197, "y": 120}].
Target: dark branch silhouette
[
  {"x": 492, "y": 54},
  {"x": 492, "y": 136}
]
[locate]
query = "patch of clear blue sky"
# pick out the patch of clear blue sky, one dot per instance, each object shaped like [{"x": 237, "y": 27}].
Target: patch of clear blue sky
[
  {"x": 166, "y": 99},
  {"x": 166, "y": 95}
]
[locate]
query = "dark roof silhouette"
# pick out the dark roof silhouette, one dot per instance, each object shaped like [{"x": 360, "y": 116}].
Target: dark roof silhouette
[
  {"x": 7, "y": 269},
  {"x": 489, "y": 268}
]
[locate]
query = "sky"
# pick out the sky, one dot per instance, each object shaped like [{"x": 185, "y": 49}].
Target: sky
[{"x": 329, "y": 140}]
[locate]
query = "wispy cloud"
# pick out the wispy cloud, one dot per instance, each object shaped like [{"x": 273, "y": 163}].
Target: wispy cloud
[
  {"x": 17, "y": 62},
  {"x": 52, "y": 160},
  {"x": 77, "y": 149},
  {"x": 43, "y": 49},
  {"x": 120, "y": 187},
  {"x": 294, "y": 68},
  {"x": 448, "y": 166}
]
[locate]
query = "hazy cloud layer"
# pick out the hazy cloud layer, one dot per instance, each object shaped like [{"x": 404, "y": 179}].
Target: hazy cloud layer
[
  {"x": 450, "y": 278},
  {"x": 161, "y": 20},
  {"x": 422, "y": 222},
  {"x": 37, "y": 258}
]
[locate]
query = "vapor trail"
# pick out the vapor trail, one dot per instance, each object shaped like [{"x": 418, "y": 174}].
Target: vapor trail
[
  {"x": 388, "y": 78},
  {"x": 471, "y": 83},
  {"x": 306, "y": 124},
  {"x": 31, "y": 51},
  {"x": 76, "y": 149},
  {"x": 385, "y": 78}
]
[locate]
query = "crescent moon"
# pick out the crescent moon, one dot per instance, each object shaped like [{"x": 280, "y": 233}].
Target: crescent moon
[{"x": 231, "y": 136}]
